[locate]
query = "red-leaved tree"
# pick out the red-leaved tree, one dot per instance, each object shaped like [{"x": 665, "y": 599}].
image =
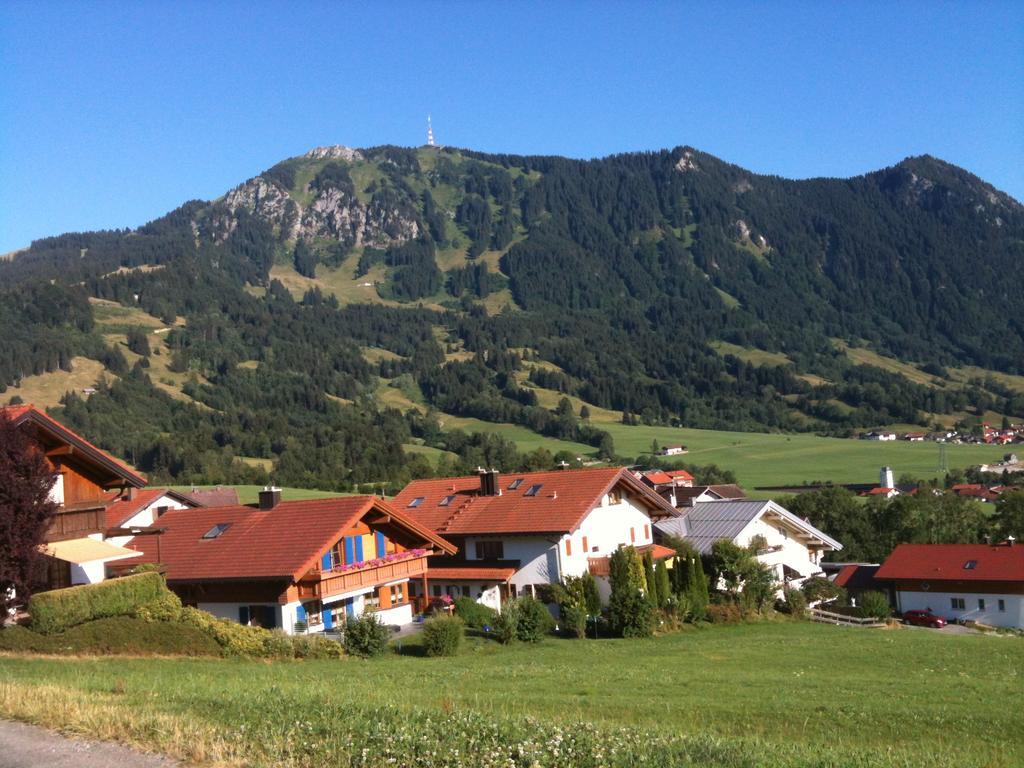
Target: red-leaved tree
[{"x": 25, "y": 512}]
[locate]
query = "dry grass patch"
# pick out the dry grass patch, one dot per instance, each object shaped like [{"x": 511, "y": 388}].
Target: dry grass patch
[{"x": 46, "y": 389}]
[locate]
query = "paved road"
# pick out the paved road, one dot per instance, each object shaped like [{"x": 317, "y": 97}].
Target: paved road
[{"x": 26, "y": 746}]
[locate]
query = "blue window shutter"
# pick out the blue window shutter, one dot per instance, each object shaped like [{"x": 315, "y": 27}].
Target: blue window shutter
[
  {"x": 325, "y": 562},
  {"x": 350, "y": 554},
  {"x": 328, "y": 619},
  {"x": 243, "y": 614},
  {"x": 350, "y": 607},
  {"x": 359, "y": 548},
  {"x": 381, "y": 546},
  {"x": 300, "y": 612}
]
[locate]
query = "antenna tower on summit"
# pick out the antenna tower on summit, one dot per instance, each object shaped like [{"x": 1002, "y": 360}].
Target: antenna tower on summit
[{"x": 430, "y": 133}]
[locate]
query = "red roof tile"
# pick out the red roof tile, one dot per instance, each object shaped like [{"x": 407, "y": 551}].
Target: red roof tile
[
  {"x": 945, "y": 562},
  {"x": 121, "y": 510},
  {"x": 564, "y": 498},
  {"x": 20, "y": 414},
  {"x": 679, "y": 474},
  {"x": 658, "y": 477},
  {"x": 284, "y": 542}
]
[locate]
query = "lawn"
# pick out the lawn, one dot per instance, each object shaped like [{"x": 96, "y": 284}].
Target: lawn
[
  {"x": 775, "y": 694},
  {"x": 249, "y": 494}
]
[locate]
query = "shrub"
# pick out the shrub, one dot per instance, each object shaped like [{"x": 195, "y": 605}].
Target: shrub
[
  {"x": 442, "y": 635},
  {"x": 631, "y": 614},
  {"x": 61, "y": 609},
  {"x": 793, "y": 602},
  {"x": 365, "y": 636},
  {"x": 315, "y": 647},
  {"x": 119, "y": 634},
  {"x": 474, "y": 614},
  {"x": 874, "y": 605},
  {"x": 167, "y": 607},
  {"x": 574, "y": 621},
  {"x": 724, "y": 613},
  {"x": 236, "y": 639},
  {"x": 534, "y": 620},
  {"x": 819, "y": 588},
  {"x": 506, "y": 625}
]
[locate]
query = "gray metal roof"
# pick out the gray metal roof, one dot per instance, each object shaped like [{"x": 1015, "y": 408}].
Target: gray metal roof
[{"x": 711, "y": 521}]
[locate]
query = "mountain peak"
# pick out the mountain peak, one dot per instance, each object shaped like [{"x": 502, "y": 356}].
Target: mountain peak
[{"x": 334, "y": 152}]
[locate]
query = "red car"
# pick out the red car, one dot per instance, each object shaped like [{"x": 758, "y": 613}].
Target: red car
[{"x": 924, "y": 619}]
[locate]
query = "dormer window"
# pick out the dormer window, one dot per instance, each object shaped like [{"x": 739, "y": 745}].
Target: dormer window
[
  {"x": 415, "y": 502},
  {"x": 533, "y": 490},
  {"x": 445, "y": 501},
  {"x": 970, "y": 565},
  {"x": 515, "y": 484},
  {"x": 216, "y": 531}
]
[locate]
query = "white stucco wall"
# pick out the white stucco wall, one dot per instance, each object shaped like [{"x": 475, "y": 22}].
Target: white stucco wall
[
  {"x": 544, "y": 560},
  {"x": 792, "y": 553},
  {"x": 146, "y": 516},
  {"x": 941, "y": 604}
]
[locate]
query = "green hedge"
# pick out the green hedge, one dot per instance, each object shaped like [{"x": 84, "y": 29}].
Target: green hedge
[
  {"x": 442, "y": 635},
  {"x": 113, "y": 636},
  {"x": 59, "y": 610}
]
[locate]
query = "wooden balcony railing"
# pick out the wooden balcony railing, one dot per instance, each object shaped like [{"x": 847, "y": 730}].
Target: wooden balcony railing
[{"x": 321, "y": 584}]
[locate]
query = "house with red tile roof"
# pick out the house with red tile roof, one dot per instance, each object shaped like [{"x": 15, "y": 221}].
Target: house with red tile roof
[
  {"x": 519, "y": 531},
  {"x": 298, "y": 565},
  {"x": 85, "y": 481},
  {"x": 974, "y": 582},
  {"x": 665, "y": 482}
]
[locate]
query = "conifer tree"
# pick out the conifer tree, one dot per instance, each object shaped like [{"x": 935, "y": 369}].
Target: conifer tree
[
  {"x": 662, "y": 581},
  {"x": 650, "y": 584}
]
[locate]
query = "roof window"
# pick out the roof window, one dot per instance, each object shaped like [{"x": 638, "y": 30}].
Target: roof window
[
  {"x": 515, "y": 483},
  {"x": 970, "y": 565},
  {"x": 216, "y": 531},
  {"x": 445, "y": 501},
  {"x": 415, "y": 502},
  {"x": 533, "y": 490}
]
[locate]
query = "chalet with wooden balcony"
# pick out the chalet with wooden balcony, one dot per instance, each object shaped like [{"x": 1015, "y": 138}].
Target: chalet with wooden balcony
[
  {"x": 522, "y": 531},
  {"x": 86, "y": 482},
  {"x": 298, "y": 565}
]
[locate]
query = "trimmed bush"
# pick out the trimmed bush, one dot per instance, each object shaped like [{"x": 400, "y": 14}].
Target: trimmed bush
[
  {"x": 365, "y": 636},
  {"x": 60, "y": 609},
  {"x": 442, "y": 635},
  {"x": 315, "y": 647},
  {"x": 874, "y": 605},
  {"x": 534, "y": 620},
  {"x": 474, "y": 614},
  {"x": 167, "y": 607},
  {"x": 120, "y": 634}
]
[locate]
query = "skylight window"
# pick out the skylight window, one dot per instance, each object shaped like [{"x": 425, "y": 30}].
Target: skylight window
[
  {"x": 515, "y": 483},
  {"x": 446, "y": 501},
  {"x": 533, "y": 490},
  {"x": 970, "y": 565},
  {"x": 416, "y": 502},
  {"x": 216, "y": 531}
]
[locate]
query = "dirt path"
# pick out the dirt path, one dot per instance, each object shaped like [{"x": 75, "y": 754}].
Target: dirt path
[{"x": 27, "y": 746}]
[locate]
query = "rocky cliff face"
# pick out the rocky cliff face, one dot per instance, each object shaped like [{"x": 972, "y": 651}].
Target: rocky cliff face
[{"x": 335, "y": 212}]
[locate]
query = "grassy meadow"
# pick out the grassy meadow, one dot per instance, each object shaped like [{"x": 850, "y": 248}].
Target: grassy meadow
[{"x": 768, "y": 694}]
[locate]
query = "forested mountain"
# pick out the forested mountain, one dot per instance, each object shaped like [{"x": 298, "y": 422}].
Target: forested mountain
[{"x": 669, "y": 285}]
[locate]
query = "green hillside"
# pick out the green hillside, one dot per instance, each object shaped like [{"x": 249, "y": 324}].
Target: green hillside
[{"x": 345, "y": 303}]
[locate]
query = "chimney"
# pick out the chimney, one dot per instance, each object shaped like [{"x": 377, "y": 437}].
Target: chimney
[
  {"x": 488, "y": 482},
  {"x": 885, "y": 479},
  {"x": 1011, "y": 540},
  {"x": 270, "y": 497},
  {"x": 133, "y": 493},
  {"x": 563, "y": 465},
  {"x": 988, "y": 539}
]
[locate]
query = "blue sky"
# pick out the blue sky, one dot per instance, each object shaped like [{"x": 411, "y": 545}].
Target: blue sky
[{"x": 114, "y": 114}]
